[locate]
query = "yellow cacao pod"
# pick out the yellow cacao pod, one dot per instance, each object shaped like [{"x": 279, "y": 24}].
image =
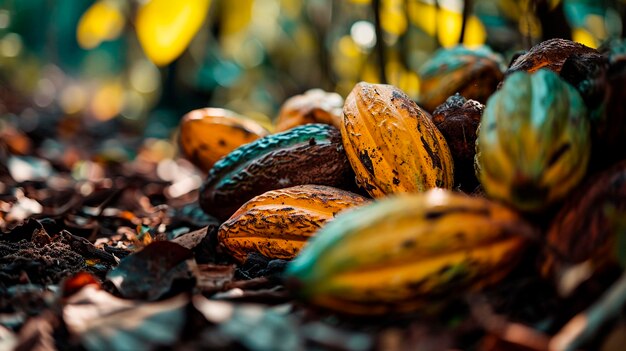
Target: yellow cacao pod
[
  {"x": 392, "y": 144},
  {"x": 407, "y": 253},
  {"x": 278, "y": 223},
  {"x": 208, "y": 134}
]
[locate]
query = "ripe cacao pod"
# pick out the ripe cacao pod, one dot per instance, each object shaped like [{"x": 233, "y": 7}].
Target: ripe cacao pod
[
  {"x": 588, "y": 226},
  {"x": 309, "y": 154},
  {"x": 278, "y": 223},
  {"x": 208, "y": 134},
  {"x": 408, "y": 252},
  {"x": 473, "y": 73},
  {"x": 533, "y": 141},
  {"x": 457, "y": 120},
  {"x": 314, "y": 106},
  {"x": 392, "y": 144}
]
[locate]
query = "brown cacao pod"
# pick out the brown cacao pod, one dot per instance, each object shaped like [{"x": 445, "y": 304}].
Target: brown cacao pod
[
  {"x": 588, "y": 225},
  {"x": 458, "y": 119},
  {"x": 550, "y": 54},
  {"x": 309, "y": 154}
]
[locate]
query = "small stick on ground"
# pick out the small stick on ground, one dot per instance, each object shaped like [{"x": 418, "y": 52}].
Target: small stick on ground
[{"x": 585, "y": 325}]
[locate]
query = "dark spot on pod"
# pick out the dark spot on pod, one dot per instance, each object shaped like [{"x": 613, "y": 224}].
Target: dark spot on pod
[
  {"x": 433, "y": 155},
  {"x": 434, "y": 214},
  {"x": 203, "y": 147},
  {"x": 396, "y": 181},
  {"x": 366, "y": 161},
  {"x": 559, "y": 152},
  {"x": 222, "y": 142},
  {"x": 408, "y": 243},
  {"x": 397, "y": 95},
  {"x": 369, "y": 186}
]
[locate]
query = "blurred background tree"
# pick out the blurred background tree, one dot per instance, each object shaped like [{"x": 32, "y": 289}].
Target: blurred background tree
[{"x": 112, "y": 69}]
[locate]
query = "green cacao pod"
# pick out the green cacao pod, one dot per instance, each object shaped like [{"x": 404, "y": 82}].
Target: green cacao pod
[
  {"x": 533, "y": 143},
  {"x": 407, "y": 253},
  {"x": 473, "y": 73},
  {"x": 309, "y": 154}
]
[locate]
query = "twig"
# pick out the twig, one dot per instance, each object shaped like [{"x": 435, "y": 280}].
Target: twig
[
  {"x": 506, "y": 330},
  {"x": 380, "y": 44},
  {"x": 585, "y": 325}
]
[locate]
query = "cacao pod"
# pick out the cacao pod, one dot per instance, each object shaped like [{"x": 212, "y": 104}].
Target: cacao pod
[
  {"x": 473, "y": 73},
  {"x": 392, "y": 144},
  {"x": 609, "y": 130},
  {"x": 278, "y": 223},
  {"x": 533, "y": 141},
  {"x": 309, "y": 154},
  {"x": 588, "y": 225},
  {"x": 581, "y": 66},
  {"x": 314, "y": 106},
  {"x": 208, "y": 134},
  {"x": 550, "y": 54},
  {"x": 408, "y": 252},
  {"x": 457, "y": 120}
]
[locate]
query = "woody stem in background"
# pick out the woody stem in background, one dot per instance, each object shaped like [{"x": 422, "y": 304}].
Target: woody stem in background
[
  {"x": 380, "y": 45},
  {"x": 467, "y": 8}
]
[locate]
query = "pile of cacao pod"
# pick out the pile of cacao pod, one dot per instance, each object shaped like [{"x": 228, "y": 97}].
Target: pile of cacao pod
[{"x": 386, "y": 205}]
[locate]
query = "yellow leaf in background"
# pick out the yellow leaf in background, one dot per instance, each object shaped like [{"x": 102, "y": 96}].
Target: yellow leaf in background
[
  {"x": 165, "y": 27},
  {"x": 423, "y": 16},
  {"x": 449, "y": 25},
  {"x": 102, "y": 21},
  {"x": 235, "y": 15},
  {"x": 475, "y": 33},
  {"x": 580, "y": 35},
  {"x": 392, "y": 17}
]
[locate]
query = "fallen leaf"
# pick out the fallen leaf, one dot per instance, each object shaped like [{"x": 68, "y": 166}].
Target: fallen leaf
[
  {"x": 102, "y": 321},
  {"x": 160, "y": 269}
]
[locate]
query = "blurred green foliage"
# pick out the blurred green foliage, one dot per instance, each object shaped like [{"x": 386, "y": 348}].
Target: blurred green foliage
[{"x": 140, "y": 65}]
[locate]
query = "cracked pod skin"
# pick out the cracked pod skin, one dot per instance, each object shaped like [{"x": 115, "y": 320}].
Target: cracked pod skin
[
  {"x": 309, "y": 154},
  {"x": 550, "y": 54},
  {"x": 278, "y": 223},
  {"x": 392, "y": 144},
  {"x": 473, "y": 73},
  {"x": 208, "y": 134},
  {"x": 533, "y": 141},
  {"x": 408, "y": 253}
]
